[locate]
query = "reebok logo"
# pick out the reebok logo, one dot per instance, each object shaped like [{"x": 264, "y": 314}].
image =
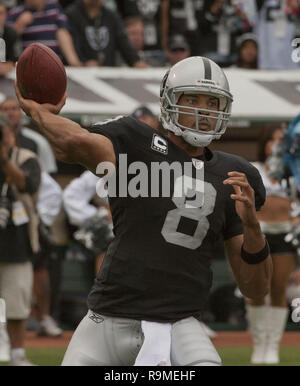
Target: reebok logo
[{"x": 96, "y": 318}]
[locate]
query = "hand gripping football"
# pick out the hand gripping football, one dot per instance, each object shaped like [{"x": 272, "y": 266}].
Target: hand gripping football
[{"x": 41, "y": 75}]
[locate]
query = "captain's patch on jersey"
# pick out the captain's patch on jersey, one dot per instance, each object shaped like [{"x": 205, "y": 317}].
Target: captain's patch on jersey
[{"x": 159, "y": 144}]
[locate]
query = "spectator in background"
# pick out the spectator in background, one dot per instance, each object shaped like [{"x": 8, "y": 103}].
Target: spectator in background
[
  {"x": 9, "y": 4},
  {"x": 19, "y": 184},
  {"x": 275, "y": 29},
  {"x": 127, "y": 8},
  {"x": 27, "y": 138},
  {"x": 267, "y": 321},
  {"x": 98, "y": 34},
  {"x": 44, "y": 21},
  {"x": 180, "y": 17},
  {"x": 134, "y": 27},
  {"x": 178, "y": 49},
  {"x": 77, "y": 197},
  {"x": 11, "y": 41},
  {"x": 48, "y": 206},
  {"x": 10, "y": 107},
  {"x": 247, "y": 52},
  {"x": 151, "y": 13},
  {"x": 220, "y": 23},
  {"x": 144, "y": 114},
  {"x": 135, "y": 32}
]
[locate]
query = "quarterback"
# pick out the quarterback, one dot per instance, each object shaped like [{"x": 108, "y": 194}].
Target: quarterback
[{"x": 146, "y": 302}]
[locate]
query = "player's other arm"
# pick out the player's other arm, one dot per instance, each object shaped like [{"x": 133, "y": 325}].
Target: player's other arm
[
  {"x": 253, "y": 276},
  {"x": 253, "y": 280},
  {"x": 71, "y": 143}
]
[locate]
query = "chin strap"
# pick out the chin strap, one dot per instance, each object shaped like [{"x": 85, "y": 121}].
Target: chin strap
[{"x": 193, "y": 138}]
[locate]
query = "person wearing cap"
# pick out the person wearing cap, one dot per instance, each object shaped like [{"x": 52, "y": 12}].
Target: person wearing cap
[
  {"x": 20, "y": 177},
  {"x": 220, "y": 23},
  {"x": 178, "y": 49},
  {"x": 143, "y": 114},
  {"x": 247, "y": 52}
]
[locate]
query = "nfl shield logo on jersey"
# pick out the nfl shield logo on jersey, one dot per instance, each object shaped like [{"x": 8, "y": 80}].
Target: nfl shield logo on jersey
[{"x": 197, "y": 163}]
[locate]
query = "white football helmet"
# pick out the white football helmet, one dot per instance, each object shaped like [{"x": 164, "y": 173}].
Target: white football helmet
[{"x": 195, "y": 75}]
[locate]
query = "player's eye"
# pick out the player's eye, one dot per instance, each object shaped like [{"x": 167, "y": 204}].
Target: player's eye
[
  {"x": 191, "y": 100},
  {"x": 213, "y": 103}
]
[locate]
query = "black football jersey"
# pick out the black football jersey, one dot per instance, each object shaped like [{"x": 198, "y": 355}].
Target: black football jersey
[{"x": 157, "y": 267}]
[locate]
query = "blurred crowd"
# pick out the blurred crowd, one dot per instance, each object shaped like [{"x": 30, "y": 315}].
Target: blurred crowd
[{"x": 149, "y": 33}]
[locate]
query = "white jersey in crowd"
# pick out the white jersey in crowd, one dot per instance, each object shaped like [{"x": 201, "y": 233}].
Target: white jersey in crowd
[
  {"x": 77, "y": 196},
  {"x": 50, "y": 199},
  {"x": 275, "y": 32},
  {"x": 45, "y": 152}
]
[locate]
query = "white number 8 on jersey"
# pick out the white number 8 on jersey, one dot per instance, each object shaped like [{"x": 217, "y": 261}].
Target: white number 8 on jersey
[{"x": 195, "y": 200}]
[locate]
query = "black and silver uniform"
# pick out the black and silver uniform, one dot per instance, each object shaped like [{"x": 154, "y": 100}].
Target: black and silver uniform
[{"x": 157, "y": 268}]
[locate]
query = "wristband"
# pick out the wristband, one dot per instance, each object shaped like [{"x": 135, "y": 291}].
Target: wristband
[{"x": 255, "y": 258}]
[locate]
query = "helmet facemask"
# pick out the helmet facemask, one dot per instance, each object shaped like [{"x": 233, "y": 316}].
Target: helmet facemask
[{"x": 196, "y": 137}]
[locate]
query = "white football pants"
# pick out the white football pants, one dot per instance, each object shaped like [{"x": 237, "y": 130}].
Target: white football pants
[{"x": 108, "y": 341}]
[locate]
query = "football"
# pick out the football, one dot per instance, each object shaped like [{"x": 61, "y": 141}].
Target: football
[{"x": 41, "y": 75}]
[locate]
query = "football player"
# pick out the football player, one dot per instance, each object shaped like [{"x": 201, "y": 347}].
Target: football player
[{"x": 155, "y": 278}]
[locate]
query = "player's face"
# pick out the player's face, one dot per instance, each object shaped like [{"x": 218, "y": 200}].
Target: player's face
[
  {"x": 200, "y": 101},
  {"x": 13, "y": 112}
]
